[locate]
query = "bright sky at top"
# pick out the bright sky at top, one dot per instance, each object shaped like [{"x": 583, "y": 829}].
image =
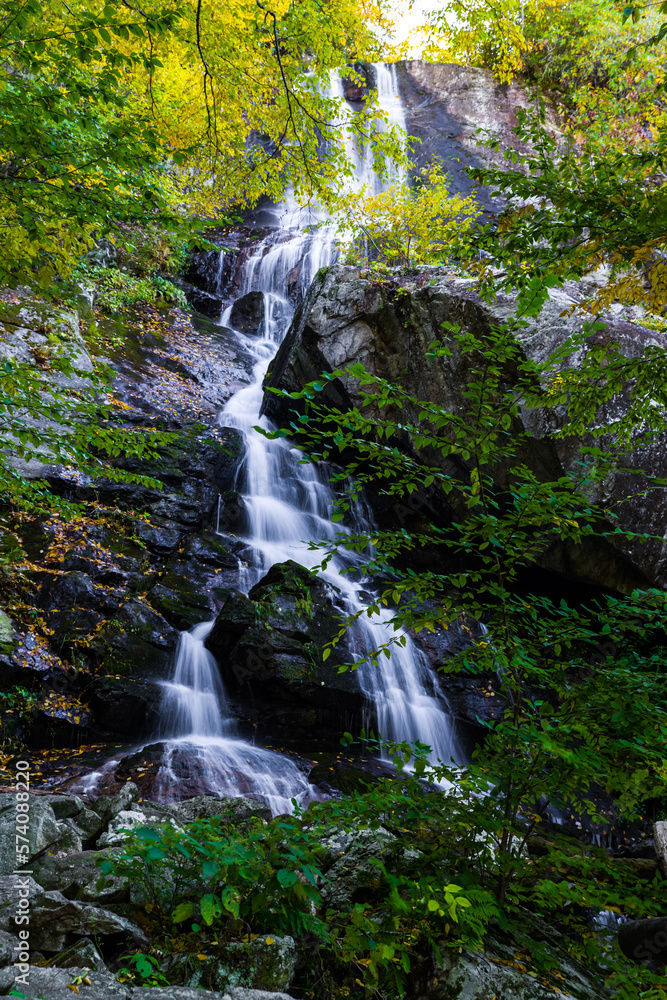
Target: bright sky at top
[{"x": 408, "y": 18}]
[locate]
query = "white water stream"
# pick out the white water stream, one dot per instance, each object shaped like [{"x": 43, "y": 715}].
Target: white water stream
[{"x": 288, "y": 506}]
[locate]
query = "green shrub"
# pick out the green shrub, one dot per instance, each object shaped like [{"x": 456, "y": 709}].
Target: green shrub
[{"x": 211, "y": 882}]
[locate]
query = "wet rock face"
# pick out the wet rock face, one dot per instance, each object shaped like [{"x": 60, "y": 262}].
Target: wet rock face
[
  {"x": 204, "y": 302},
  {"x": 126, "y": 706},
  {"x": 247, "y": 314},
  {"x": 349, "y": 318},
  {"x": 269, "y": 647},
  {"x": 115, "y": 586},
  {"x": 445, "y": 106}
]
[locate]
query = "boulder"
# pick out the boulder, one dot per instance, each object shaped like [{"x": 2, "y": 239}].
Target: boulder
[
  {"x": 159, "y": 539},
  {"x": 136, "y": 640},
  {"x": 43, "y": 830},
  {"x": 108, "y": 808},
  {"x": 353, "y": 868},
  {"x": 247, "y": 314},
  {"x": 237, "y": 810},
  {"x": 270, "y": 643},
  {"x": 179, "y": 601},
  {"x": 76, "y": 876},
  {"x": 644, "y": 941},
  {"x": 266, "y": 963},
  {"x": 127, "y": 706},
  {"x": 73, "y": 605},
  {"x": 82, "y": 953},
  {"x": 8, "y": 948},
  {"x": 54, "y": 984},
  {"x": 204, "y": 302},
  {"x": 7, "y": 639},
  {"x": 53, "y": 919},
  {"x": 348, "y": 317},
  {"x": 478, "y": 976},
  {"x": 126, "y": 820}
]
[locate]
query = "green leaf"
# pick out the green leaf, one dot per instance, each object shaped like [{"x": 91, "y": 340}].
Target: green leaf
[
  {"x": 210, "y": 908},
  {"x": 286, "y": 877},
  {"x": 182, "y": 912}
]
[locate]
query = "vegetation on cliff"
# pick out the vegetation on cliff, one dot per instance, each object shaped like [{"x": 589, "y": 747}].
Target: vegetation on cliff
[{"x": 139, "y": 126}]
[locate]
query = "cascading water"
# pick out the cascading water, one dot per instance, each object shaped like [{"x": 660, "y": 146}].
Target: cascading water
[
  {"x": 289, "y": 504},
  {"x": 199, "y": 732}
]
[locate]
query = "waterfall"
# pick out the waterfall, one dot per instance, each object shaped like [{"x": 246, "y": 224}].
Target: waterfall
[
  {"x": 199, "y": 733},
  {"x": 289, "y": 504}
]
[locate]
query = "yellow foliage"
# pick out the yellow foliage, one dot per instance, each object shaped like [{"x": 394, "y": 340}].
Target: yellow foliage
[
  {"x": 406, "y": 225},
  {"x": 168, "y": 110},
  {"x": 492, "y": 33}
]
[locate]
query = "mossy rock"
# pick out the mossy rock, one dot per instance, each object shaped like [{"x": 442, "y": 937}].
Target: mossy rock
[
  {"x": 7, "y": 638},
  {"x": 179, "y": 601},
  {"x": 137, "y": 641},
  {"x": 274, "y": 639},
  {"x": 267, "y": 963}
]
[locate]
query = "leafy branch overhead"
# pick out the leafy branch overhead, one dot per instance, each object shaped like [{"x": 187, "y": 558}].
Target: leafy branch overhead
[{"x": 140, "y": 117}]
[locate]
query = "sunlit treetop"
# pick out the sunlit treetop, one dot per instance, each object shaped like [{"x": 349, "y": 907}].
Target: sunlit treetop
[{"x": 166, "y": 109}]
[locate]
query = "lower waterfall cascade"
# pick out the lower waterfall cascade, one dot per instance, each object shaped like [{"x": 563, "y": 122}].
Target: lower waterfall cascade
[{"x": 289, "y": 504}]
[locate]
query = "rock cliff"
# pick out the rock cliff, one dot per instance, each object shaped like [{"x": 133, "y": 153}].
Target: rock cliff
[{"x": 388, "y": 326}]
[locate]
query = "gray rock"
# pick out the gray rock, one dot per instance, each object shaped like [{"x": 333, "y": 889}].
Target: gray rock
[
  {"x": 128, "y": 819},
  {"x": 16, "y": 891},
  {"x": 352, "y": 866},
  {"x": 205, "y": 806},
  {"x": 267, "y": 963},
  {"x": 7, "y": 979},
  {"x": 81, "y": 954},
  {"x": 53, "y": 917},
  {"x": 475, "y": 976},
  {"x": 185, "y": 993},
  {"x": 69, "y": 839},
  {"x": 8, "y": 945},
  {"x": 348, "y": 317},
  {"x": 7, "y": 641},
  {"x": 107, "y": 809},
  {"x": 53, "y": 983},
  {"x": 43, "y": 830},
  {"x": 72, "y": 807},
  {"x": 76, "y": 877},
  {"x": 239, "y": 993},
  {"x": 175, "y": 993},
  {"x": 104, "y": 253},
  {"x": 445, "y": 106}
]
